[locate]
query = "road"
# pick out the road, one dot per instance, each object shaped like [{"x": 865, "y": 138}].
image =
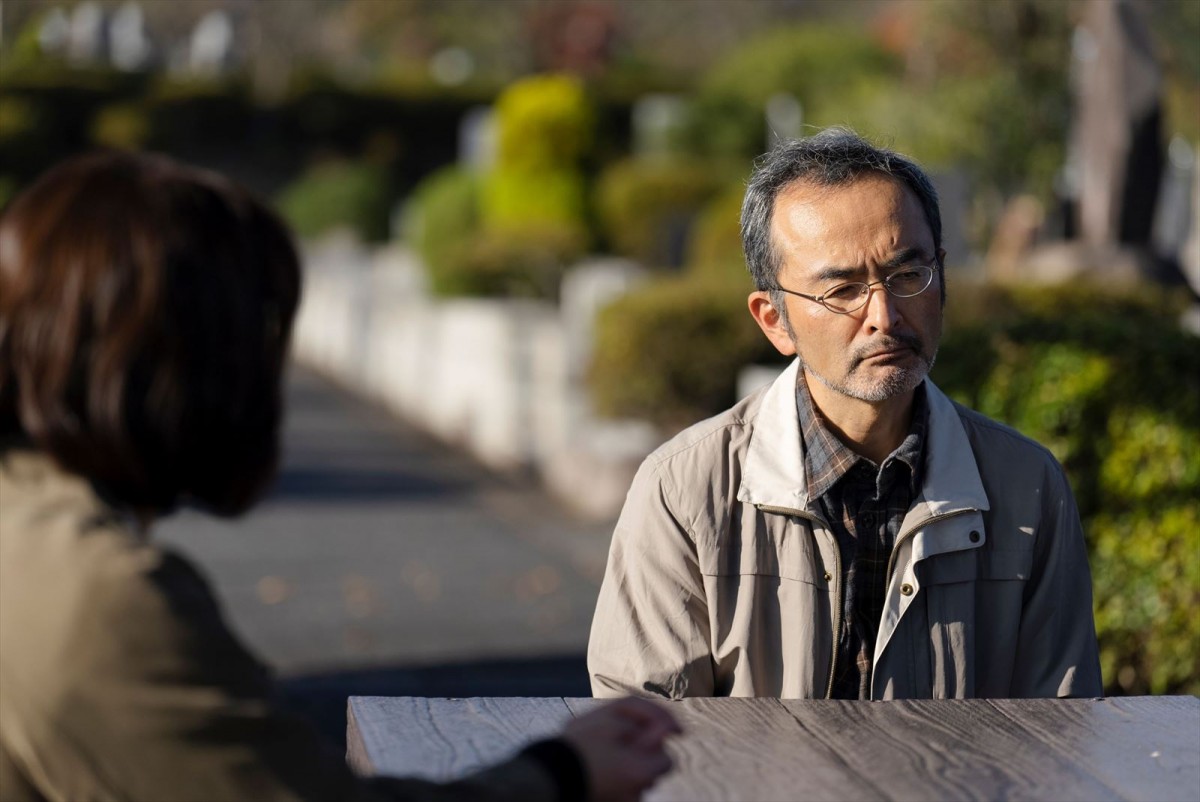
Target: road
[{"x": 384, "y": 562}]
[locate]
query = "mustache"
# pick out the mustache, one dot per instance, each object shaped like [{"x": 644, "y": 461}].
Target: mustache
[{"x": 892, "y": 342}]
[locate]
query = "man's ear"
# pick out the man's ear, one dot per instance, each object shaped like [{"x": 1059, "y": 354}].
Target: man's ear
[{"x": 770, "y": 321}]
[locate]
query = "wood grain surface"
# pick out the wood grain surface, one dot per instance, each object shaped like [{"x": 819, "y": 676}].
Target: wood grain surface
[
  {"x": 1143, "y": 748},
  {"x": 944, "y": 749},
  {"x": 755, "y": 744},
  {"x": 441, "y": 739}
]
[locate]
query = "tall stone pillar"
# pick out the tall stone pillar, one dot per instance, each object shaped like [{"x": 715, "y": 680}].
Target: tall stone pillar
[{"x": 1117, "y": 129}]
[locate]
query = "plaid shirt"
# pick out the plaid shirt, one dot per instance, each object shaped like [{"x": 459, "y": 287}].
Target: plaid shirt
[{"x": 864, "y": 504}]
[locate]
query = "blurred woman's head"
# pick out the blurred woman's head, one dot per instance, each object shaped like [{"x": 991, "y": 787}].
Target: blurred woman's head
[{"x": 145, "y": 311}]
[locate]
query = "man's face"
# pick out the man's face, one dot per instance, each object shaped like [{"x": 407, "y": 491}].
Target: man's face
[{"x": 863, "y": 232}]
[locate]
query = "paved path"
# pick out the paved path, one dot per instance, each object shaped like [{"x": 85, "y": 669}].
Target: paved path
[{"x": 385, "y": 562}]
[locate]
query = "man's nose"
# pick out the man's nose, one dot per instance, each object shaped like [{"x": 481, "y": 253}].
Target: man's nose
[{"x": 881, "y": 311}]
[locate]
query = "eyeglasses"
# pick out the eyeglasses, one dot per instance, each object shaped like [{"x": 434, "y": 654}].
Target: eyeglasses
[{"x": 846, "y": 298}]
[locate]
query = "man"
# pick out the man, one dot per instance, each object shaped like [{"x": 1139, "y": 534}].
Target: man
[{"x": 847, "y": 532}]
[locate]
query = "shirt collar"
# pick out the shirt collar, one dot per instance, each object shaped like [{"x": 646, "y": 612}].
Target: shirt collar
[{"x": 827, "y": 459}]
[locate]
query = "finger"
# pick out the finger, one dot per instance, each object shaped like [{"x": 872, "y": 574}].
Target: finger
[
  {"x": 647, "y": 712},
  {"x": 651, "y": 738}
]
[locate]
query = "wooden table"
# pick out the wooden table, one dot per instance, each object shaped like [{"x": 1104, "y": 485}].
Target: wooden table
[{"x": 1138, "y": 748}]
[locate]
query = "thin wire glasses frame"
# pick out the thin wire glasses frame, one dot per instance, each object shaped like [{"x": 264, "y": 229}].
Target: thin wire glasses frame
[{"x": 843, "y": 299}]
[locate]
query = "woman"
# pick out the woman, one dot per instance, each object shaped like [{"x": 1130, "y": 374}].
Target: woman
[{"x": 145, "y": 311}]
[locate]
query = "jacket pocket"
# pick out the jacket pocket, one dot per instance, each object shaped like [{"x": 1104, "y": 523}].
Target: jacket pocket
[
  {"x": 1005, "y": 564},
  {"x": 775, "y": 547},
  {"x": 977, "y": 564}
]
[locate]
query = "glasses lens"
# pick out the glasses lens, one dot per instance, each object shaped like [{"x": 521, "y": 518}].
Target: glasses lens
[
  {"x": 846, "y": 298},
  {"x": 909, "y": 281}
]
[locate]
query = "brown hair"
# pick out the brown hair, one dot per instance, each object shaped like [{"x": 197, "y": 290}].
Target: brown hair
[{"x": 145, "y": 312}]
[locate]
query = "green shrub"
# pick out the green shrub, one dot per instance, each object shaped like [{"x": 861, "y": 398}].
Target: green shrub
[
  {"x": 1112, "y": 386},
  {"x": 715, "y": 242},
  {"x": 832, "y": 69},
  {"x": 18, "y": 117},
  {"x": 646, "y": 208},
  {"x": 121, "y": 125},
  {"x": 670, "y": 351},
  {"x": 336, "y": 194},
  {"x": 513, "y": 262},
  {"x": 441, "y": 220}
]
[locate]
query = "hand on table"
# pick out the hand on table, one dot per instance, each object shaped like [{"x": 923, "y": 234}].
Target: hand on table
[{"x": 622, "y": 747}]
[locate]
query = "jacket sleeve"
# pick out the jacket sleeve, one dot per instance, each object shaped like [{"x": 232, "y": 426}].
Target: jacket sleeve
[
  {"x": 157, "y": 700},
  {"x": 1057, "y": 654},
  {"x": 650, "y": 634}
]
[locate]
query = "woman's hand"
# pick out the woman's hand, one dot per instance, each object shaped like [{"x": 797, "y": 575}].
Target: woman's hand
[{"x": 621, "y": 745}]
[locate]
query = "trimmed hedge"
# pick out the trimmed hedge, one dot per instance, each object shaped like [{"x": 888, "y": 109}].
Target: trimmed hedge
[
  {"x": 647, "y": 209},
  {"x": 670, "y": 351},
  {"x": 715, "y": 242},
  {"x": 441, "y": 220},
  {"x": 338, "y": 194},
  {"x": 514, "y": 262}
]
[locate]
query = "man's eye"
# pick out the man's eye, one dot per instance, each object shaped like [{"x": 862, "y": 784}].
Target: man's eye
[
  {"x": 846, "y": 292},
  {"x": 907, "y": 274}
]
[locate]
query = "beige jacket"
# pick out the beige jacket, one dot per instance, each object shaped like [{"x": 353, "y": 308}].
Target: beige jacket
[
  {"x": 722, "y": 581},
  {"x": 120, "y": 680}
]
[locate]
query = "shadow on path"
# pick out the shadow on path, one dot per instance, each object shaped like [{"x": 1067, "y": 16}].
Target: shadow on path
[
  {"x": 317, "y": 485},
  {"x": 322, "y": 697}
]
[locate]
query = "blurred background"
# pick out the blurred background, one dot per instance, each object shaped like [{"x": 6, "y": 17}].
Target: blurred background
[{"x": 519, "y": 220}]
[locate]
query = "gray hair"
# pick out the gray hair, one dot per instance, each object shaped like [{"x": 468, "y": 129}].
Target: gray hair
[{"x": 834, "y": 157}]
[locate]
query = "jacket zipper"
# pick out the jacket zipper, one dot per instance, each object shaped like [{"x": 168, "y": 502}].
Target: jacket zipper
[
  {"x": 907, "y": 533},
  {"x": 837, "y": 595}
]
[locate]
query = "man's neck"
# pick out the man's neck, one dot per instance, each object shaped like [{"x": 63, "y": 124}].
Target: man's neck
[{"x": 870, "y": 429}]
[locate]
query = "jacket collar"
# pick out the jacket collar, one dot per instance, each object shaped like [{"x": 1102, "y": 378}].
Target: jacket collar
[{"x": 773, "y": 473}]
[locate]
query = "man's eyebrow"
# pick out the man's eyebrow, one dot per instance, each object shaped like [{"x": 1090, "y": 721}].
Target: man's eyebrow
[
  {"x": 838, "y": 273},
  {"x": 906, "y": 256}
]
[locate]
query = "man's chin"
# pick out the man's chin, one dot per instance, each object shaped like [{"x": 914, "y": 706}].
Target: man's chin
[{"x": 882, "y": 385}]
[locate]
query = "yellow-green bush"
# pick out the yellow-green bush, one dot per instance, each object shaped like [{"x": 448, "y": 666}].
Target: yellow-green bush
[
  {"x": 513, "y": 230},
  {"x": 543, "y": 129},
  {"x": 544, "y": 122},
  {"x": 519, "y": 198}
]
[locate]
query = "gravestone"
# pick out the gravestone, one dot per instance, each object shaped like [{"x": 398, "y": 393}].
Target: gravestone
[{"x": 1117, "y": 131}]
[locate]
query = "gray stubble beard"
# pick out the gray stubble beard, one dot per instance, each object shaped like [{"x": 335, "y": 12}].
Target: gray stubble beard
[{"x": 899, "y": 383}]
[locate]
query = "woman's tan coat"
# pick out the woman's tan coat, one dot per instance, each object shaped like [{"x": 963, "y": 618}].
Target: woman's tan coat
[{"x": 119, "y": 679}]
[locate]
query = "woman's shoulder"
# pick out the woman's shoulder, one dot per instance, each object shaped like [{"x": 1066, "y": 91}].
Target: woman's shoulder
[
  {"x": 59, "y": 540},
  {"x": 85, "y": 596}
]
